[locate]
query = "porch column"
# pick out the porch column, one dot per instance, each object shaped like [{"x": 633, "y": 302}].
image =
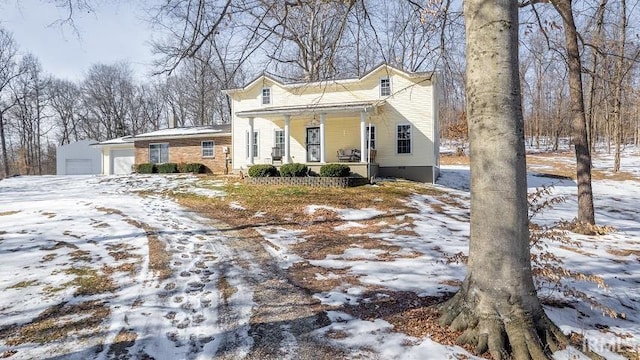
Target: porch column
[
  {"x": 287, "y": 141},
  {"x": 323, "y": 118},
  {"x": 251, "y": 154},
  {"x": 364, "y": 154}
]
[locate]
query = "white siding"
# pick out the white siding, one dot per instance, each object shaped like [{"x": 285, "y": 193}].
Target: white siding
[{"x": 79, "y": 158}]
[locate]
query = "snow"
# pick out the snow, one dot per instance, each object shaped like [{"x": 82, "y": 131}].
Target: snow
[
  {"x": 47, "y": 221},
  {"x": 117, "y": 141},
  {"x": 91, "y": 214},
  {"x": 183, "y": 131}
]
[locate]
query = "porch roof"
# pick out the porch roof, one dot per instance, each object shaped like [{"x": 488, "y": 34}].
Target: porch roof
[{"x": 355, "y": 106}]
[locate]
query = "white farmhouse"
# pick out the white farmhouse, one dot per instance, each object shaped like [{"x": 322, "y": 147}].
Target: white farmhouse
[{"x": 390, "y": 112}]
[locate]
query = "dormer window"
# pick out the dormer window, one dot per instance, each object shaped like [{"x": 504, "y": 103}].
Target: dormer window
[
  {"x": 266, "y": 96},
  {"x": 385, "y": 86}
]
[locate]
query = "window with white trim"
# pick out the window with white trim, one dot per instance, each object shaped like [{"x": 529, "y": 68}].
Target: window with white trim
[
  {"x": 385, "y": 86},
  {"x": 279, "y": 139},
  {"x": 255, "y": 144},
  {"x": 266, "y": 96},
  {"x": 371, "y": 136},
  {"x": 208, "y": 148},
  {"x": 403, "y": 139},
  {"x": 159, "y": 153}
]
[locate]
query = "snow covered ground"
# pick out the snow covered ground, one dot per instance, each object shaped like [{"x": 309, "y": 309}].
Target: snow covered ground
[{"x": 59, "y": 235}]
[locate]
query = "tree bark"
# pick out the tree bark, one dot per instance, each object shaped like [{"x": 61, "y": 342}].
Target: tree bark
[
  {"x": 619, "y": 82},
  {"x": 497, "y": 306},
  {"x": 578, "y": 118},
  {"x": 3, "y": 143}
]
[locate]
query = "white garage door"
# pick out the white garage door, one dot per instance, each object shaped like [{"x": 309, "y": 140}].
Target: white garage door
[
  {"x": 78, "y": 167},
  {"x": 121, "y": 161}
]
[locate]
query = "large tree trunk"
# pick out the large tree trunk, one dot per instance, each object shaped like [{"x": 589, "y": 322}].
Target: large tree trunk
[
  {"x": 578, "y": 117},
  {"x": 497, "y": 306}
]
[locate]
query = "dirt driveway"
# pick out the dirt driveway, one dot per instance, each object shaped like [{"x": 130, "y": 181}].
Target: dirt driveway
[{"x": 93, "y": 270}]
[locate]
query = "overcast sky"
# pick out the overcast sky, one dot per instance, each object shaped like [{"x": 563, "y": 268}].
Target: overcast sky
[{"x": 116, "y": 31}]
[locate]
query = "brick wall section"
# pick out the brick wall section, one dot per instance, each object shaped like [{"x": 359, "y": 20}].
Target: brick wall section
[
  {"x": 339, "y": 182},
  {"x": 189, "y": 151}
]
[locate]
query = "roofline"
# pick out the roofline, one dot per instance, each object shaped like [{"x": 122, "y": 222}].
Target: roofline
[
  {"x": 365, "y": 106},
  {"x": 325, "y": 82},
  {"x": 183, "y": 136},
  {"x": 122, "y": 144}
]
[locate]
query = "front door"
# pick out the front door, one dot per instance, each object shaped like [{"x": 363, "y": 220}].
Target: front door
[{"x": 313, "y": 144}]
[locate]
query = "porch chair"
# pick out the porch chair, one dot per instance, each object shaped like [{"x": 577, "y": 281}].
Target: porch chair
[
  {"x": 350, "y": 155},
  {"x": 276, "y": 154}
]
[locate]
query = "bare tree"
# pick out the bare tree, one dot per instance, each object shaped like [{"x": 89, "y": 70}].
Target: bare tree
[
  {"x": 190, "y": 23},
  {"x": 8, "y": 72},
  {"x": 29, "y": 91},
  {"x": 148, "y": 109},
  {"x": 107, "y": 90},
  {"x": 586, "y": 212},
  {"x": 65, "y": 101},
  {"x": 305, "y": 37}
]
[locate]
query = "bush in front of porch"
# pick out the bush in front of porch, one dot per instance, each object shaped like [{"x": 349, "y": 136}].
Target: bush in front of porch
[
  {"x": 294, "y": 170},
  {"x": 263, "y": 171},
  {"x": 335, "y": 170}
]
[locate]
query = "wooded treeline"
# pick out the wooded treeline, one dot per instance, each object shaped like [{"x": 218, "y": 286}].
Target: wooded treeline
[{"x": 215, "y": 44}]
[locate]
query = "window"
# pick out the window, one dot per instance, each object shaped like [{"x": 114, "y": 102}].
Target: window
[
  {"x": 208, "y": 148},
  {"x": 385, "y": 86},
  {"x": 279, "y": 139},
  {"x": 403, "y": 139},
  {"x": 255, "y": 144},
  {"x": 266, "y": 96},
  {"x": 371, "y": 137},
  {"x": 158, "y": 153}
]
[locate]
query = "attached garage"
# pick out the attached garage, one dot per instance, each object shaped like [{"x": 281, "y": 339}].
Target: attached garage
[
  {"x": 117, "y": 156},
  {"x": 78, "y": 158},
  {"x": 121, "y": 161}
]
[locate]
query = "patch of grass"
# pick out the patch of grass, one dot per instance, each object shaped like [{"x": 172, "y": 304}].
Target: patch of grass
[
  {"x": 7, "y": 213},
  {"x": 48, "y": 214},
  {"x": 80, "y": 255},
  {"x": 287, "y": 204},
  {"x": 49, "y": 257},
  {"x": 317, "y": 279},
  {"x": 121, "y": 251},
  {"x": 57, "y": 323},
  {"x": 58, "y": 245},
  {"x": 51, "y": 290},
  {"x": 90, "y": 281},
  {"x": 24, "y": 284},
  {"x": 454, "y": 160},
  {"x": 123, "y": 340},
  {"x": 624, "y": 252},
  {"x": 159, "y": 258},
  {"x": 226, "y": 289},
  {"x": 109, "y": 211},
  {"x": 69, "y": 233}
]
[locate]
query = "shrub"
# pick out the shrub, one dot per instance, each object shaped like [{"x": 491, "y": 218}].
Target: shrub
[
  {"x": 294, "y": 170},
  {"x": 167, "y": 168},
  {"x": 195, "y": 168},
  {"x": 553, "y": 279},
  {"x": 335, "y": 170},
  {"x": 263, "y": 171},
  {"x": 146, "y": 168}
]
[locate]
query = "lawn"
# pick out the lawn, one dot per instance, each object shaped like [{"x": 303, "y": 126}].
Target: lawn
[{"x": 169, "y": 267}]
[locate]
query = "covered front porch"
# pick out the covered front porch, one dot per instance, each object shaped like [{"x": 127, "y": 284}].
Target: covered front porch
[{"x": 314, "y": 135}]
